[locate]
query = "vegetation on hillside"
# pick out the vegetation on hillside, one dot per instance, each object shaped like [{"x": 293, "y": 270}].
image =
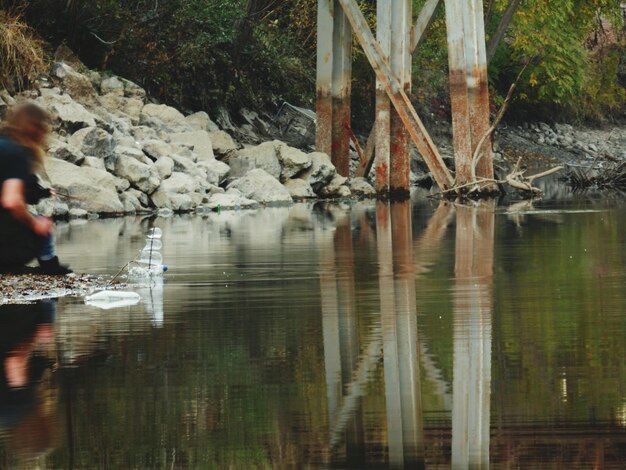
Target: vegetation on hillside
[{"x": 198, "y": 54}]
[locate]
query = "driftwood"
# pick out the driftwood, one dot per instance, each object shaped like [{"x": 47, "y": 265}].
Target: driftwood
[{"x": 515, "y": 179}]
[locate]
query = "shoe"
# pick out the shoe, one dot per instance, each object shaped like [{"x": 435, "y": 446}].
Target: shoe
[{"x": 52, "y": 267}]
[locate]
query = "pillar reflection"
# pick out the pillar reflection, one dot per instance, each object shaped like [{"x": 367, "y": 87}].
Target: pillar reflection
[{"x": 472, "y": 336}]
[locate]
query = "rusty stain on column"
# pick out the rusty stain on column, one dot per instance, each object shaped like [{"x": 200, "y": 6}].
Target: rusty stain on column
[
  {"x": 324, "y": 103},
  {"x": 382, "y": 129},
  {"x": 401, "y": 19},
  {"x": 398, "y": 97},
  {"x": 477, "y": 84},
  {"x": 459, "y": 100},
  {"x": 342, "y": 74}
]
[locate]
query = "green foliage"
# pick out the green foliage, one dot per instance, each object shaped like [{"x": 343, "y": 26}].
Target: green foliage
[{"x": 566, "y": 42}]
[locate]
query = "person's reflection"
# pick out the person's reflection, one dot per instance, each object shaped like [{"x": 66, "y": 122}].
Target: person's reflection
[{"x": 26, "y": 417}]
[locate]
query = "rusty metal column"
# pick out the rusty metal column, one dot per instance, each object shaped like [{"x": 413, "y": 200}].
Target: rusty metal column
[
  {"x": 477, "y": 85},
  {"x": 342, "y": 75},
  {"x": 382, "y": 129},
  {"x": 324, "y": 80},
  {"x": 459, "y": 99},
  {"x": 401, "y": 23}
]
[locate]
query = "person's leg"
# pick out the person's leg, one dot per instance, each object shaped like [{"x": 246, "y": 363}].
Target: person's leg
[
  {"x": 48, "y": 261},
  {"x": 46, "y": 250}
]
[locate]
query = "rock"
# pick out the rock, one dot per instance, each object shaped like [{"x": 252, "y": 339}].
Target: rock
[
  {"x": 259, "y": 185},
  {"x": 165, "y": 167},
  {"x": 66, "y": 152},
  {"x": 299, "y": 189},
  {"x": 179, "y": 183},
  {"x": 293, "y": 161},
  {"x": 52, "y": 207},
  {"x": 336, "y": 187},
  {"x": 168, "y": 116},
  {"x": 172, "y": 201},
  {"x": 66, "y": 113},
  {"x": 75, "y": 84},
  {"x": 216, "y": 171},
  {"x": 201, "y": 141},
  {"x": 144, "y": 133},
  {"x": 112, "y": 85},
  {"x": 77, "y": 213},
  {"x": 321, "y": 171},
  {"x": 93, "y": 141},
  {"x": 132, "y": 152},
  {"x": 132, "y": 90},
  {"x": 361, "y": 187},
  {"x": 156, "y": 149},
  {"x": 224, "y": 147},
  {"x": 231, "y": 199},
  {"x": 263, "y": 156},
  {"x": 141, "y": 176},
  {"x": 94, "y": 189},
  {"x": 201, "y": 121},
  {"x": 122, "y": 106},
  {"x": 94, "y": 162}
]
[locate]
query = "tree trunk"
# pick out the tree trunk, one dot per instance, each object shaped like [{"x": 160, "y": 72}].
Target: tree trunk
[{"x": 497, "y": 36}]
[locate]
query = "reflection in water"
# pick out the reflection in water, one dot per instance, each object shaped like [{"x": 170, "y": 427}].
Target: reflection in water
[
  {"x": 28, "y": 425},
  {"x": 347, "y": 336},
  {"x": 472, "y": 336}
]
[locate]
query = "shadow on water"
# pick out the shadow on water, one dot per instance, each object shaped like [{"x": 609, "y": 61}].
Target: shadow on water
[{"x": 344, "y": 336}]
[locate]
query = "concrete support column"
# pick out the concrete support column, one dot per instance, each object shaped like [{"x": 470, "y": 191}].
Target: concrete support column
[
  {"x": 469, "y": 93},
  {"x": 459, "y": 100},
  {"x": 401, "y": 23},
  {"x": 334, "y": 71},
  {"x": 392, "y": 163},
  {"x": 477, "y": 84}
]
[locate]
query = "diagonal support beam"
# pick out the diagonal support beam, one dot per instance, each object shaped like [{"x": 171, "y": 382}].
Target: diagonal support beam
[
  {"x": 424, "y": 20},
  {"x": 398, "y": 97}
]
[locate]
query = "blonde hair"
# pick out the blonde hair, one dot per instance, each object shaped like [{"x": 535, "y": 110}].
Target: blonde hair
[{"x": 28, "y": 125}]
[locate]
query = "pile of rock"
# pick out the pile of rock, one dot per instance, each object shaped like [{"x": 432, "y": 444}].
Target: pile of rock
[{"x": 114, "y": 152}]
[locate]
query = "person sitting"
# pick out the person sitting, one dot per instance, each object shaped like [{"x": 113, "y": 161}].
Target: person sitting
[{"x": 24, "y": 236}]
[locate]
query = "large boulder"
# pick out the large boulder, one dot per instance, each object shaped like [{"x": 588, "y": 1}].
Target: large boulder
[
  {"x": 321, "y": 171},
  {"x": 200, "y": 140},
  {"x": 75, "y": 84},
  {"x": 224, "y": 147},
  {"x": 66, "y": 113},
  {"x": 231, "y": 199},
  {"x": 112, "y": 86},
  {"x": 170, "y": 117},
  {"x": 201, "y": 121},
  {"x": 93, "y": 141},
  {"x": 142, "y": 176},
  {"x": 293, "y": 161},
  {"x": 216, "y": 171},
  {"x": 259, "y": 185},
  {"x": 93, "y": 189},
  {"x": 64, "y": 151},
  {"x": 299, "y": 189},
  {"x": 263, "y": 156}
]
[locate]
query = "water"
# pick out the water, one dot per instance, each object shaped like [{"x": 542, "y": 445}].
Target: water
[{"x": 333, "y": 336}]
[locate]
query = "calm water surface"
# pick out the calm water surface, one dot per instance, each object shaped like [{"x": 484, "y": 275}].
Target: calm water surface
[{"x": 332, "y": 336}]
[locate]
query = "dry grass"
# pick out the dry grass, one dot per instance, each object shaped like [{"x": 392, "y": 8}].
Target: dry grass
[
  {"x": 613, "y": 177},
  {"x": 22, "y": 55}
]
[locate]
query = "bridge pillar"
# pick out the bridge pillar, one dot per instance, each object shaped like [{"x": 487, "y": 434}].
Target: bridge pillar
[
  {"x": 469, "y": 94},
  {"x": 334, "y": 72},
  {"x": 392, "y": 164}
]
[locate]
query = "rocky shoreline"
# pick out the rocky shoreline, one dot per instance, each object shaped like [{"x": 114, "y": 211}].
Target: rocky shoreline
[{"x": 113, "y": 152}]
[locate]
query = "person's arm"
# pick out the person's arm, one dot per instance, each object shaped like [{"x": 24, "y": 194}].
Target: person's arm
[{"x": 12, "y": 200}]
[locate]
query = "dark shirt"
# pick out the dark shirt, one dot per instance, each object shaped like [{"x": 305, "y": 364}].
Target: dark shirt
[
  {"x": 15, "y": 161},
  {"x": 18, "y": 243}
]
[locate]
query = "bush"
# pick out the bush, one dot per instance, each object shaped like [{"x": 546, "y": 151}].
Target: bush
[{"x": 22, "y": 55}]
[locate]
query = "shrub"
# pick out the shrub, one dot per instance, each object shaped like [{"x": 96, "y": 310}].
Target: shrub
[{"x": 22, "y": 55}]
